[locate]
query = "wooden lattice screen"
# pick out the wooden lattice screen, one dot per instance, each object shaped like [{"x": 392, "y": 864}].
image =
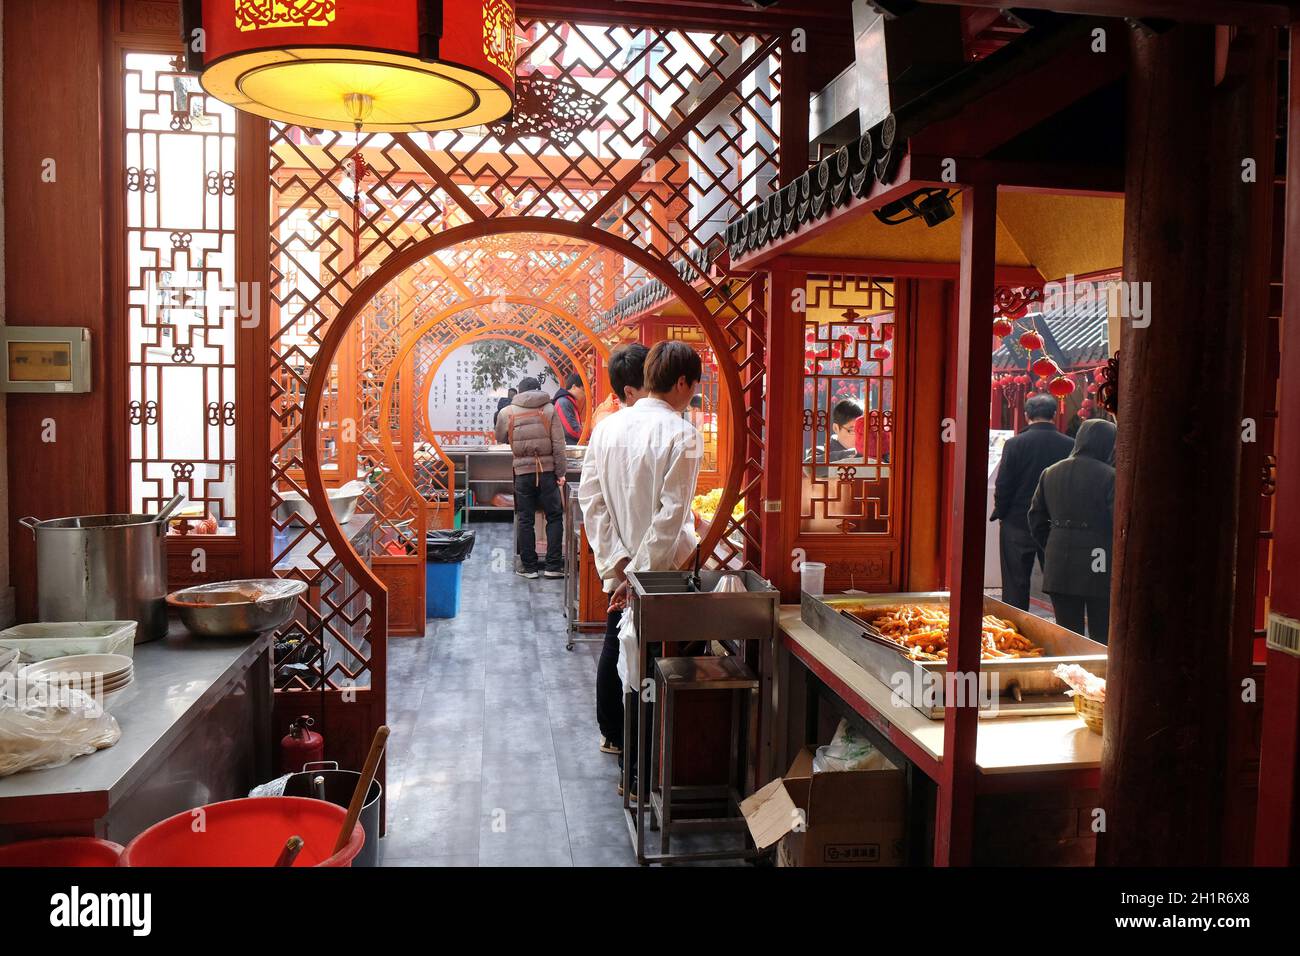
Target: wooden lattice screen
[{"x": 681, "y": 134}]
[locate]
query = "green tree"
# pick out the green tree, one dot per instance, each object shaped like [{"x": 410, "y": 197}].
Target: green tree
[{"x": 501, "y": 365}]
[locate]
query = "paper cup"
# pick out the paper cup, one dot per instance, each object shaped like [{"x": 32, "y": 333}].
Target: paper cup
[{"x": 812, "y": 577}]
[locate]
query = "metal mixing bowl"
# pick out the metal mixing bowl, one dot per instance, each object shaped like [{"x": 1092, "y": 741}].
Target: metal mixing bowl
[
  {"x": 343, "y": 502},
  {"x": 228, "y": 608}
]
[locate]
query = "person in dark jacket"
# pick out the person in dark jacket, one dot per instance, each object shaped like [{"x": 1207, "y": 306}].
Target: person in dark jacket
[
  {"x": 1073, "y": 517},
  {"x": 1024, "y": 459},
  {"x": 569, "y": 402}
]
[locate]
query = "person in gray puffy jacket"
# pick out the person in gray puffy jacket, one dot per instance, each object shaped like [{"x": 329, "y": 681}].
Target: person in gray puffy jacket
[{"x": 531, "y": 426}]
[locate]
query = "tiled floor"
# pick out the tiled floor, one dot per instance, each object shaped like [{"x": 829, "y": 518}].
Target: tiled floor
[{"x": 494, "y": 756}]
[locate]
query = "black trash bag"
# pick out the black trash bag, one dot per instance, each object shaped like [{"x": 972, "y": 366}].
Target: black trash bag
[{"x": 448, "y": 547}]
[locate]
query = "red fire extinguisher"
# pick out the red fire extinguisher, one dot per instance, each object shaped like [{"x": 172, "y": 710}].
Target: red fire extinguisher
[{"x": 300, "y": 745}]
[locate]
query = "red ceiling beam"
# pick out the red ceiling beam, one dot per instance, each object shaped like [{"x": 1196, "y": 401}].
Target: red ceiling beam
[
  {"x": 1243, "y": 12},
  {"x": 813, "y": 15}
]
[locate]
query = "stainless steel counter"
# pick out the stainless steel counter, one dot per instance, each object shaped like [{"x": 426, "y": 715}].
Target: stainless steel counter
[{"x": 195, "y": 729}]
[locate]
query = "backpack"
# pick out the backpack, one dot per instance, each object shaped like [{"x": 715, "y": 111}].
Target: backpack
[{"x": 535, "y": 414}]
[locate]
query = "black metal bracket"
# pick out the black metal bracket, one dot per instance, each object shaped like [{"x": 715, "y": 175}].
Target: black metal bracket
[
  {"x": 429, "y": 26},
  {"x": 191, "y": 22},
  {"x": 893, "y": 8}
]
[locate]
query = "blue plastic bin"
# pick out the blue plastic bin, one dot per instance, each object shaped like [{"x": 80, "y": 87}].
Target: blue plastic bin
[
  {"x": 446, "y": 550},
  {"x": 442, "y": 589}
]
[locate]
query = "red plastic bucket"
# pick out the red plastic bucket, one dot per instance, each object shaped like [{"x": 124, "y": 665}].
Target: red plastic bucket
[
  {"x": 62, "y": 851},
  {"x": 247, "y": 832}
]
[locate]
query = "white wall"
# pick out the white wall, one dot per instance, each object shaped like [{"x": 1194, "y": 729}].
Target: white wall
[{"x": 454, "y": 406}]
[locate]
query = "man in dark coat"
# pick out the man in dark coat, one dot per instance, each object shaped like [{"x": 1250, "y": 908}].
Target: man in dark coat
[
  {"x": 1073, "y": 517},
  {"x": 1024, "y": 458}
]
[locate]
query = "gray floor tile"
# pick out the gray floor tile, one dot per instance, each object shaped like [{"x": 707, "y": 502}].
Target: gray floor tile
[
  {"x": 490, "y": 712},
  {"x": 613, "y": 855},
  {"x": 503, "y": 828},
  {"x": 466, "y": 860},
  {"x": 539, "y": 792},
  {"x": 529, "y": 856}
]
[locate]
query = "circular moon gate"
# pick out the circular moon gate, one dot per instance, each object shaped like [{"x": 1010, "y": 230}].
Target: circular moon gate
[
  {"x": 403, "y": 259},
  {"x": 386, "y": 435},
  {"x": 446, "y": 313}
]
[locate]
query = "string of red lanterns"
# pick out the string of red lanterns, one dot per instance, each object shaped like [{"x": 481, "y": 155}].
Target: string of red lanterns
[{"x": 1050, "y": 376}]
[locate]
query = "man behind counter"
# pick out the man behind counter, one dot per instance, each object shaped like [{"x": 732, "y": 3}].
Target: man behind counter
[{"x": 638, "y": 478}]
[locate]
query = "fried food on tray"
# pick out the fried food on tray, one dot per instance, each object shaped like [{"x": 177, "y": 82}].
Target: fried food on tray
[{"x": 921, "y": 632}]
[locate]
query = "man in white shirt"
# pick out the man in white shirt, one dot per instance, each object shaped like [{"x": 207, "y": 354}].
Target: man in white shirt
[{"x": 638, "y": 478}]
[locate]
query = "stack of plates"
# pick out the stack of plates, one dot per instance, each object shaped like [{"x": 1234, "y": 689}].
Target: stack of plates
[{"x": 91, "y": 673}]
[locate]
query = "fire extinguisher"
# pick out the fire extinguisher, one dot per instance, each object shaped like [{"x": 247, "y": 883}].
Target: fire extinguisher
[{"x": 300, "y": 746}]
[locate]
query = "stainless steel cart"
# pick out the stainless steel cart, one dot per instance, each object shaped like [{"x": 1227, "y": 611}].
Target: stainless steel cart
[{"x": 666, "y": 607}]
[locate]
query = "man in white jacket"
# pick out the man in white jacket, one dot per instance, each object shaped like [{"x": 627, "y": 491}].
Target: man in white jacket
[{"x": 638, "y": 478}]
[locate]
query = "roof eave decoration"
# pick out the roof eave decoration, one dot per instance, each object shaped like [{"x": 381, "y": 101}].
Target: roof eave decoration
[{"x": 851, "y": 172}]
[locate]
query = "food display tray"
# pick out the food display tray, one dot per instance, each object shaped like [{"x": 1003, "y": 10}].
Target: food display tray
[{"x": 1021, "y": 686}]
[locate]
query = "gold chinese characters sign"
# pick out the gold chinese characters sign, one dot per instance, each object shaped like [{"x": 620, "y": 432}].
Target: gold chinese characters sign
[{"x": 263, "y": 14}]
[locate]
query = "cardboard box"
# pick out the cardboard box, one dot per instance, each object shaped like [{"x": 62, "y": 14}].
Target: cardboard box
[{"x": 848, "y": 818}]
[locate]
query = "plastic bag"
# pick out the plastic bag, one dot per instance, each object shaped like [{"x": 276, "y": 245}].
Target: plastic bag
[
  {"x": 849, "y": 750},
  {"x": 448, "y": 547},
  {"x": 44, "y": 725},
  {"x": 272, "y": 788}
]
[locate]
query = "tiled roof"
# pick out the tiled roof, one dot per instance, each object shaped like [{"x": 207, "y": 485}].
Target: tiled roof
[
  {"x": 849, "y": 172},
  {"x": 653, "y": 292},
  {"x": 1075, "y": 334}
]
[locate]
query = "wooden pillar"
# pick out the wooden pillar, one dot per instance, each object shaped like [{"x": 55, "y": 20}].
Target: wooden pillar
[
  {"x": 1177, "y": 459},
  {"x": 1277, "y": 836},
  {"x": 956, "y": 807},
  {"x": 784, "y": 452}
]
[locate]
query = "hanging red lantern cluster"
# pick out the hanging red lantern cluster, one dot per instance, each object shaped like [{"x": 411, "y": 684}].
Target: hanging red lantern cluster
[
  {"x": 1031, "y": 341},
  {"x": 1061, "y": 386},
  {"x": 1043, "y": 367}
]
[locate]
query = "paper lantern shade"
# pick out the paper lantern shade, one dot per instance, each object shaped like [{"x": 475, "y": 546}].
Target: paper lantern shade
[
  {"x": 373, "y": 65},
  {"x": 1002, "y": 328},
  {"x": 1043, "y": 367},
  {"x": 1031, "y": 341},
  {"x": 1060, "y": 387}
]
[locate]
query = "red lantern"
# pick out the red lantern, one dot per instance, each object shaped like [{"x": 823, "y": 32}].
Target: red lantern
[
  {"x": 1031, "y": 341},
  {"x": 881, "y": 353},
  {"x": 1044, "y": 366},
  {"x": 888, "y": 332},
  {"x": 1061, "y": 387},
  {"x": 1002, "y": 328},
  {"x": 1022, "y": 379},
  {"x": 366, "y": 65}
]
